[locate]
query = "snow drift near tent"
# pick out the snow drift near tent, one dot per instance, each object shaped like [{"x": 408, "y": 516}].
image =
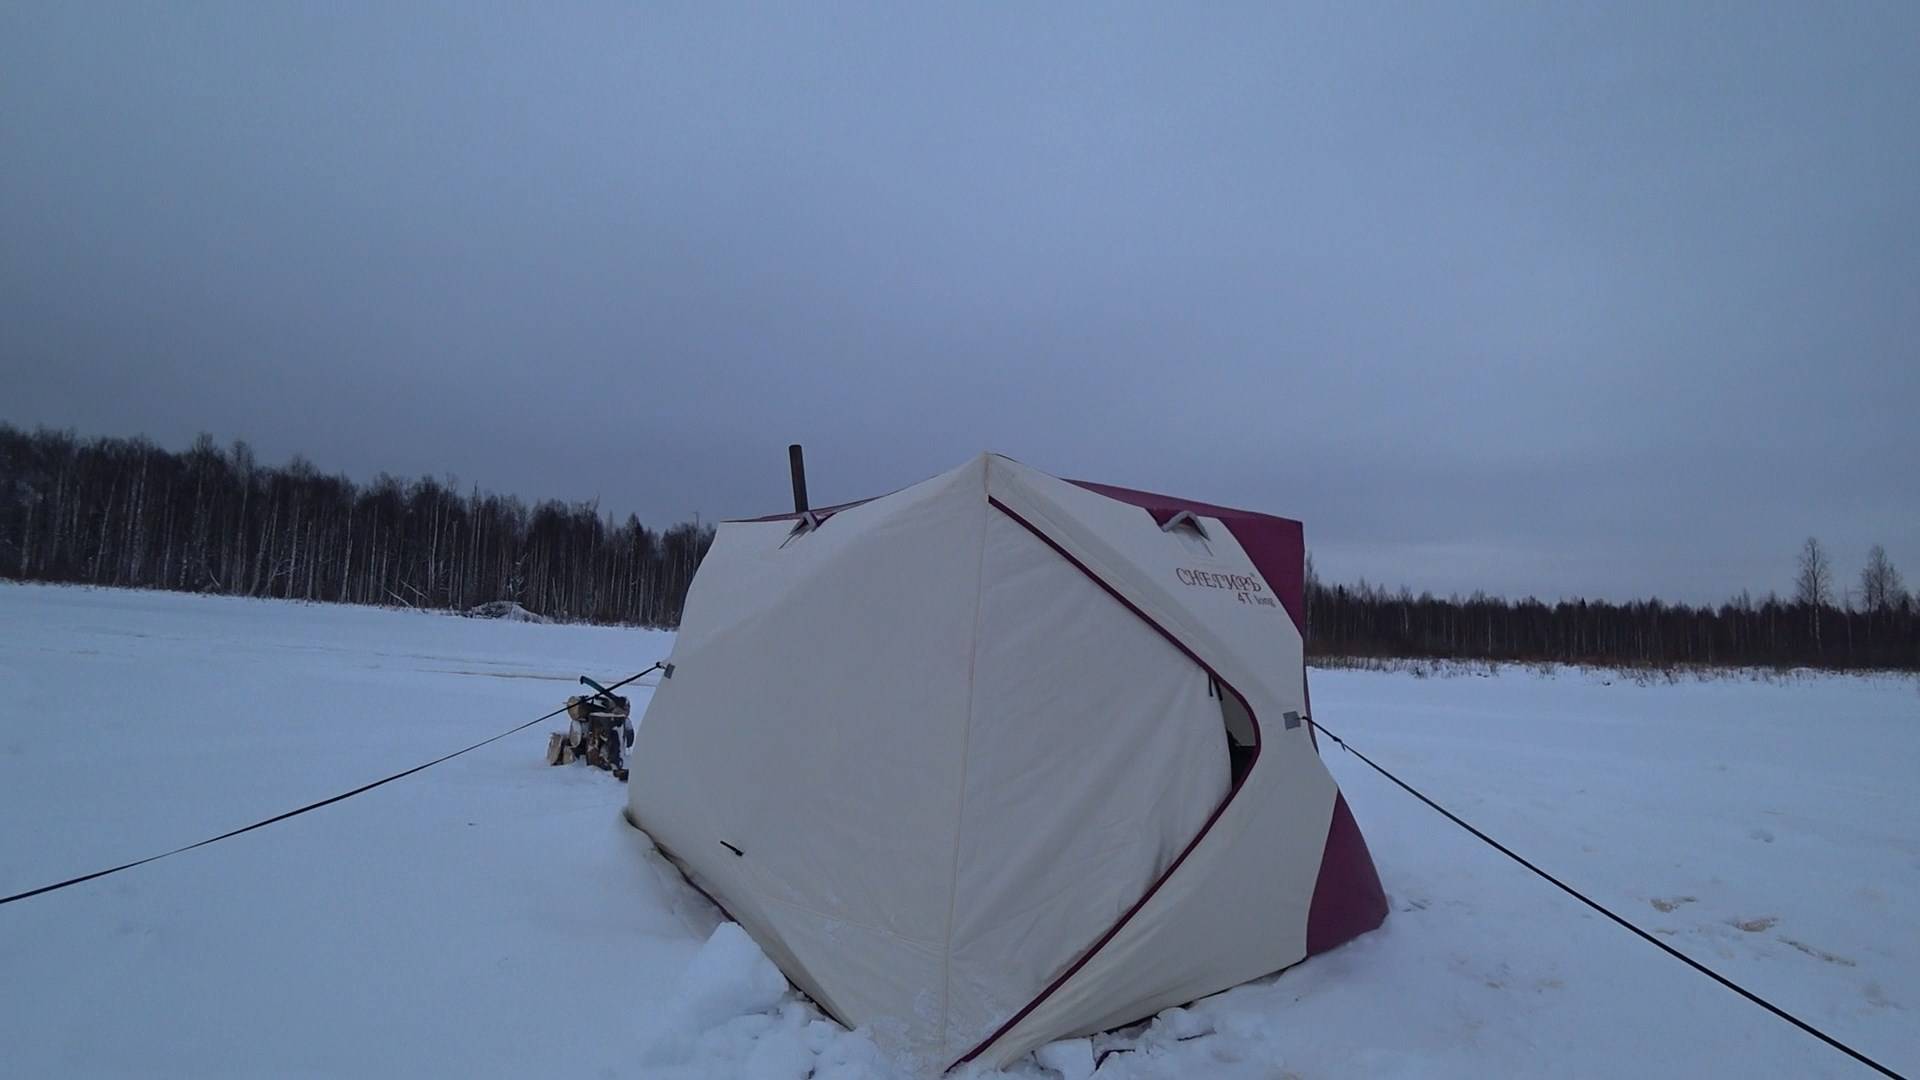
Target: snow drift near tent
[{"x": 999, "y": 758}]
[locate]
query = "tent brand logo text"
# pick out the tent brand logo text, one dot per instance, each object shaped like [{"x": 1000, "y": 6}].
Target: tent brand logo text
[{"x": 1246, "y": 589}]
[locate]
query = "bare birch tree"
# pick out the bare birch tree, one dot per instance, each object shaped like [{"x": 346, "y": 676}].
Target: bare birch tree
[
  {"x": 1813, "y": 584},
  {"x": 1881, "y": 588}
]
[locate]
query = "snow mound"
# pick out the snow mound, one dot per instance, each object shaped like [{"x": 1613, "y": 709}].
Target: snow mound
[
  {"x": 735, "y": 1015},
  {"x": 1071, "y": 1058},
  {"x": 507, "y": 610},
  {"x": 729, "y": 977}
]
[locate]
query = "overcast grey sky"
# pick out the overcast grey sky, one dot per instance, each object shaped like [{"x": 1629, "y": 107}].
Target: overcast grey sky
[{"x": 1611, "y": 299}]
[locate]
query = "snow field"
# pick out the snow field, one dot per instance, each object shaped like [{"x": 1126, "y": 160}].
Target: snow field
[{"x": 493, "y": 916}]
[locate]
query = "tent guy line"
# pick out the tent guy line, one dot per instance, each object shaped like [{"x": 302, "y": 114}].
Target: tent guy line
[
  {"x": 330, "y": 800},
  {"x": 1622, "y": 920}
]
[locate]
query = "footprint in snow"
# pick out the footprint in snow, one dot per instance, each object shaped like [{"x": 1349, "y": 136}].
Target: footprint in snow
[
  {"x": 1754, "y": 926},
  {"x": 1877, "y": 997},
  {"x": 1671, "y": 902},
  {"x": 1818, "y": 954},
  {"x": 1765, "y": 836}
]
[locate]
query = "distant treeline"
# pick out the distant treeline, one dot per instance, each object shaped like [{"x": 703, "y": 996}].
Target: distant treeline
[
  {"x": 126, "y": 512},
  {"x": 1365, "y": 621}
]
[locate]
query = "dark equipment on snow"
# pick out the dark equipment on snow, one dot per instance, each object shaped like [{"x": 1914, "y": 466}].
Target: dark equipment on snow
[{"x": 599, "y": 731}]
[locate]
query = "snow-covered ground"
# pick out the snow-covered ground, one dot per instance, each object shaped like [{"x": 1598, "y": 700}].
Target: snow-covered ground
[{"x": 494, "y": 916}]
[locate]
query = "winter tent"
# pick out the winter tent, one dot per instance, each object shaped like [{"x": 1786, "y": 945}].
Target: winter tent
[{"x": 1000, "y": 758}]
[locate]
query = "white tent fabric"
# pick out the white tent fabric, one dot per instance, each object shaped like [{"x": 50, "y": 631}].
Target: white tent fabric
[{"x": 957, "y": 758}]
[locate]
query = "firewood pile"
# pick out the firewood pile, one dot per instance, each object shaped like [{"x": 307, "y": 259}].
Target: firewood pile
[{"x": 599, "y": 729}]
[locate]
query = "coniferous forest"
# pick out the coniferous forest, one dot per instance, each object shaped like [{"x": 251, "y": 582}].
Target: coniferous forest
[{"x": 125, "y": 512}]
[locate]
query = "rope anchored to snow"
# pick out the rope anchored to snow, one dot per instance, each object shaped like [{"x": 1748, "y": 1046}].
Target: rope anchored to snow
[
  {"x": 1595, "y": 905},
  {"x": 329, "y": 801}
]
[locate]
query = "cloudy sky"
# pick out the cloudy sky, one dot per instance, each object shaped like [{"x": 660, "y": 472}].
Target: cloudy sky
[{"x": 1610, "y": 299}]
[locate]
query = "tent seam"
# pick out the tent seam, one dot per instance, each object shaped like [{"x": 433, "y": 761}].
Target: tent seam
[
  {"x": 966, "y": 742},
  {"x": 1180, "y": 859}
]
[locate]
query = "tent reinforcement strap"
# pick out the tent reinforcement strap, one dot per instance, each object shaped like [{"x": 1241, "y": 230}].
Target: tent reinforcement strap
[
  {"x": 329, "y": 801},
  {"x": 1596, "y": 905}
]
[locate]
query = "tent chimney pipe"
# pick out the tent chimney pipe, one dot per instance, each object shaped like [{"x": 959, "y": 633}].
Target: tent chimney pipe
[{"x": 799, "y": 467}]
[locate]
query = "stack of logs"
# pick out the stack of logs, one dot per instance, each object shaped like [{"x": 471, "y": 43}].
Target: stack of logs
[{"x": 597, "y": 728}]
